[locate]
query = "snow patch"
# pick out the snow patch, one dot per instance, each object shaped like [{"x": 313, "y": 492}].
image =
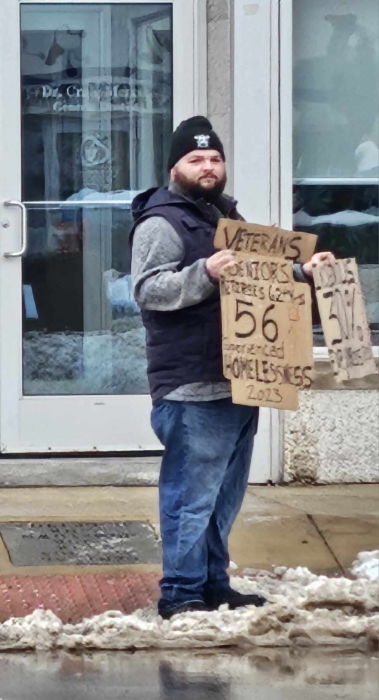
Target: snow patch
[
  {"x": 367, "y": 566},
  {"x": 68, "y": 363},
  {"x": 302, "y": 610}
]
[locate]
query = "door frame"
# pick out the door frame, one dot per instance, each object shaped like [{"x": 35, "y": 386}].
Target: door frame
[
  {"x": 97, "y": 423},
  {"x": 257, "y": 167}
]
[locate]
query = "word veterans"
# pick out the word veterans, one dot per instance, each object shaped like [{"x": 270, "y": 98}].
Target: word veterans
[{"x": 254, "y": 239}]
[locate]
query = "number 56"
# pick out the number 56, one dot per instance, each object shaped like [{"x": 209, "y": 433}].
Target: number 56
[{"x": 270, "y": 328}]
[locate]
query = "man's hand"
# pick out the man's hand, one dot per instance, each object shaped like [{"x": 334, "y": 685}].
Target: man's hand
[
  {"x": 317, "y": 258},
  {"x": 216, "y": 263}
]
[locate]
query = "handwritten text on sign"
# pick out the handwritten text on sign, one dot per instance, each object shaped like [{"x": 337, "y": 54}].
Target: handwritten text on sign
[
  {"x": 267, "y": 332},
  {"x": 255, "y": 239},
  {"x": 343, "y": 318}
]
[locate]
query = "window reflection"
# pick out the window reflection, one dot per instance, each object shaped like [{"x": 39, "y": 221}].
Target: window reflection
[
  {"x": 346, "y": 220},
  {"x": 336, "y": 88},
  {"x": 97, "y": 121},
  {"x": 336, "y": 133}
]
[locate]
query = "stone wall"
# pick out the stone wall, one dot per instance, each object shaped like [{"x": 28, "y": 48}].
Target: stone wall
[{"x": 333, "y": 438}]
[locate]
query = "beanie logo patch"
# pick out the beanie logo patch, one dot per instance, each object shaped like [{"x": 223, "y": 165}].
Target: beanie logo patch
[{"x": 202, "y": 141}]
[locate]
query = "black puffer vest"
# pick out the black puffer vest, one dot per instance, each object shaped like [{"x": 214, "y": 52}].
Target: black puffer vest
[{"x": 184, "y": 346}]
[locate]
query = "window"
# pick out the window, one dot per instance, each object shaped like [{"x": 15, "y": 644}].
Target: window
[
  {"x": 97, "y": 118},
  {"x": 336, "y": 134}
]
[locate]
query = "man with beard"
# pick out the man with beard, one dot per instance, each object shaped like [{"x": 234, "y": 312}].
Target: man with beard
[{"x": 208, "y": 440}]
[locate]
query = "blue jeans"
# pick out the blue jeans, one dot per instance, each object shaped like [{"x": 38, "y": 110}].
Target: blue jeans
[{"x": 204, "y": 474}]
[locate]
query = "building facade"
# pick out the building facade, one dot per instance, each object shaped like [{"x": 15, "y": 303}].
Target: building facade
[{"x": 90, "y": 92}]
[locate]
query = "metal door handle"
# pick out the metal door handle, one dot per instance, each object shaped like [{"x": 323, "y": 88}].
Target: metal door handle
[{"x": 24, "y": 228}]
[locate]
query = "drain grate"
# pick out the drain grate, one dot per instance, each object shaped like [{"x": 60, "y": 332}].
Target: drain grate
[{"x": 35, "y": 544}]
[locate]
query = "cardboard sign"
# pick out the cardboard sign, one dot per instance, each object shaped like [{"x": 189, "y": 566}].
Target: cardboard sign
[
  {"x": 255, "y": 239},
  {"x": 267, "y": 332},
  {"x": 343, "y": 318}
]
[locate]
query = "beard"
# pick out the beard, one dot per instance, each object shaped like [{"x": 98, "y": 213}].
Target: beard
[{"x": 196, "y": 190}]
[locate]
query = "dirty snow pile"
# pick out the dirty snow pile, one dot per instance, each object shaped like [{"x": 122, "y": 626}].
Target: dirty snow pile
[
  {"x": 367, "y": 566},
  {"x": 303, "y": 610}
]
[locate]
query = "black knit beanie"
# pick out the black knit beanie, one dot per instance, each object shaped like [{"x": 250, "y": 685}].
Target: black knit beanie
[{"x": 190, "y": 135}]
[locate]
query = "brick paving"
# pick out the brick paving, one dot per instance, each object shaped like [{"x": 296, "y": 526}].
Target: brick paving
[{"x": 75, "y": 597}]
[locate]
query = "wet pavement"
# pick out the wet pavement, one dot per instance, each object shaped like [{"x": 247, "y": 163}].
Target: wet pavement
[
  {"x": 261, "y": 674},
  {"x": 77, "y": 530}
]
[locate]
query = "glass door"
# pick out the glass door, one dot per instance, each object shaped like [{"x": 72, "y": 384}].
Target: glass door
[{"x": 92, "y": 129}]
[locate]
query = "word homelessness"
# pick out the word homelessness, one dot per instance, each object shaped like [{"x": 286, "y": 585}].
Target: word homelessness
[{"x": 268, "y": 372}]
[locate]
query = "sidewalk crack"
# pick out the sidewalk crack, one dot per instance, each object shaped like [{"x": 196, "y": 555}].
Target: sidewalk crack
[
  {"x": 270, "y": 499},
  {"x": 327, "y": 545}
]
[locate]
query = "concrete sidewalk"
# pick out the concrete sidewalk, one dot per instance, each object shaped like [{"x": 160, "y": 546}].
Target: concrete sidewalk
[
  {"x": 82, "y": 551},
  {"x": 116, "y": 529}
]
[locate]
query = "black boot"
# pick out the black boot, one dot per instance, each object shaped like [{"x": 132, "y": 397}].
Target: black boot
[
  {"x": 234, "y": 599},
  {"x": 192, "y": 606}
]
